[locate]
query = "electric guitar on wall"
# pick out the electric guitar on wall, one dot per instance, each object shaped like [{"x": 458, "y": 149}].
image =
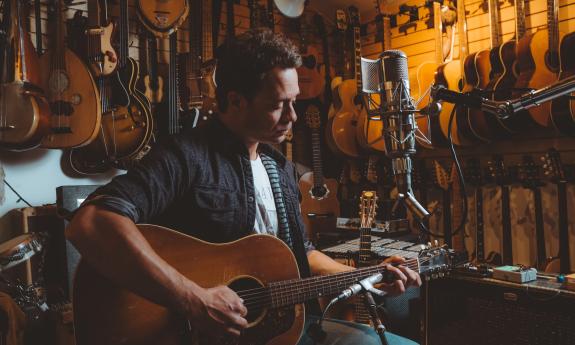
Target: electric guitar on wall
[
  {"x": 500, "y": 176},
  {"x": 260, "y": 268},
  {"x": 319, "y": 205}
]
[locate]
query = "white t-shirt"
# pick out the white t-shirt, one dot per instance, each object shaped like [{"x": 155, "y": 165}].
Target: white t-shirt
[{"x": 266, "y": 216}]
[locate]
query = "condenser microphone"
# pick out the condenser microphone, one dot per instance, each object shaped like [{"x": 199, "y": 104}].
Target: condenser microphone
[{"x": 397, "y": 111}]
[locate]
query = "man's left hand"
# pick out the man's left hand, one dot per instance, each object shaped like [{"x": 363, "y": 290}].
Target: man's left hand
[{"x": 405, "y": 277}]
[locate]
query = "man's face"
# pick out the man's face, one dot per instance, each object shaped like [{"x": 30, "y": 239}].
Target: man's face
[{"x": 269, "y": 116}]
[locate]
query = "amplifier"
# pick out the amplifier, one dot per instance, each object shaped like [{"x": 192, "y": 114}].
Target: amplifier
[{"x": 484, "y": 311}]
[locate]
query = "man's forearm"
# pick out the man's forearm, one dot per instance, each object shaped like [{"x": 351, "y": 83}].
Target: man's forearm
[{"x": 321, "y": 264}]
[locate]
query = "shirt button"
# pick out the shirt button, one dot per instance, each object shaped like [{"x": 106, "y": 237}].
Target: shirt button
[{"x": 251, "y": 199}]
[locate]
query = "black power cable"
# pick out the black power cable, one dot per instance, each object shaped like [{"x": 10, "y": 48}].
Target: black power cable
[{"x": 20, "y": 198}]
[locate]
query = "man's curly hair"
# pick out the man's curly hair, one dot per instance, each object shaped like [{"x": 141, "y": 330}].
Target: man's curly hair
[{"x": 243, "y": 61}]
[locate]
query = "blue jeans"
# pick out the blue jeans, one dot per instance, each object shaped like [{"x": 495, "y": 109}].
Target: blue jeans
[{"x": 349, "y": 333}]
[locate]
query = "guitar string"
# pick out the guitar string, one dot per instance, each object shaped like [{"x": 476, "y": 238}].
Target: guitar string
[
  {"x": 258, "y": 291},
  {"x": 268, "y": 298}
]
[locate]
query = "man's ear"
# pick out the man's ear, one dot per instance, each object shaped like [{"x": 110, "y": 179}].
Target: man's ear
[{"x": 236, "y": 100}]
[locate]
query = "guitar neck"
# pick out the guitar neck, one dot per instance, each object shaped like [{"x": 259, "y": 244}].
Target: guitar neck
[
  {"x": 553, "y": 25},
  {"x": 298, "y": 291},
  {"x": 506, "y": 223},
  {"x": 447, "y": 226},
  {"x": 231, "y": 31},
  {"x": 539, "y": 228},
  {"x": 196, "y": 24},
  {"x": 364, "y": 246},
  {"x": 479, "y": 226},
  {"x": 317, "y": 163},
  {"x": 357, "y": 59},
  {"x": 519, "y": 19},
  {"x": 124, "y": 33},
  {"x": 438, "y": 27},
  {"x": 173, "y": 105},
  {"x": 462, "y": 33},
  {"x": 494, "y": 23}
]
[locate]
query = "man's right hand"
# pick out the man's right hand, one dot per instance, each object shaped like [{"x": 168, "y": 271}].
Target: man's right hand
[{"x": 220, "y": 311}]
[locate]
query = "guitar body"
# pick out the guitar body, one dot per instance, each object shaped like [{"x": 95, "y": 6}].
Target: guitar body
[
  {"x": 162, "y": 17},
  {"x": 75, "y": 102},
  {"x": 563, "y": 108},
  {"x": 25, "y": 115},
  {"x": 540, "y": 75},
  {"x": 310, "y": 80},
  {"x": 426, "y": 78},
  {"x": 326, "y": 209},
  {"x": 471, "y": 122},
  {"x": 342, "y": 125},
  {"x": 107, "y": 314},
  {"x": 369, "y": 133},
  {"x": 102, "y": 37},
  {"x": 154, "y": 92},
  {"x": 449, "y": 75}
]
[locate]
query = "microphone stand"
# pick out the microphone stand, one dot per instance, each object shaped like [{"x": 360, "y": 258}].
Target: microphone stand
[{"x": 378, "y": 325}]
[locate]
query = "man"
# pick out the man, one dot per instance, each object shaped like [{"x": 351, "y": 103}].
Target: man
[{"x": 218, "y": 183}]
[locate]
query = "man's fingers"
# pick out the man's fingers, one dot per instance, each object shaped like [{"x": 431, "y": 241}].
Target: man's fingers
[
  {"x": 413, "y": 279},
  {"x": 398, "y": 273}
]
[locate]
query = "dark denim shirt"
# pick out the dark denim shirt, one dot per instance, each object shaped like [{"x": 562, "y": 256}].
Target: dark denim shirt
[{"x": 201, "y": 183}]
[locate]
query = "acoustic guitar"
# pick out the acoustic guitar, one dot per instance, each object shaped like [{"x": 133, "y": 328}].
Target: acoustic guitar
[
  {"x": 370, "y": 130},
  {"x": 162, "y": 17},
  {"x": 539, "y": 62},
  {"x": 260, "y": 268},
  {"x": 347, "y": 99},
  {"x": 563, "y": 108},
  {"x": 127, "y": 126},
  {"x": 319, "y": 205},
  {"x": 429, "y": 125},
  {"x": 24, "y": 110},
  {"x": 76, "y": 113},
  {"x": 310, "y": 81}
]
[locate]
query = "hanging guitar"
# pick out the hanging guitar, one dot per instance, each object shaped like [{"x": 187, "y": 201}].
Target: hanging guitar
[
  {"x": 197, "y": 88},
  {"x": 319, "y": 205},
  {"x": 24, "y": 111},
  {"x": 563, "y": 108},
  {"x": 310, "y": 81},
  {"x": 127, "y": 125},
  {"x": 97, "y": 44},
  {"x": 105, "y": 312},
  {"x": 153, "y": 82},
  {"x": 76, "y": 112},
  {"x": 162, "y": 17}
]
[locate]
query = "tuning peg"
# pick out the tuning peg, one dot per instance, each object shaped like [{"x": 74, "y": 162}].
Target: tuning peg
[
  {"x": 428, "y": 244},
  {"x": 436, "y": 243},
  {"x": 422, "y": 247}
]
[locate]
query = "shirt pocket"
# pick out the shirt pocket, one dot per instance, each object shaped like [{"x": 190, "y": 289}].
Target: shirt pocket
[{"x": 218, "y": 211}]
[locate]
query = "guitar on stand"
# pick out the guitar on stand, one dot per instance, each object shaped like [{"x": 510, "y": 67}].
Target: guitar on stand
[
  {"x": 319, "y": 206},
  {"x": 529, "y": 175},
  {"x": 500, "y": 176},
  {"x": 443, "y": 180},
  {"x": 554, "y": 171},
  {"x": 367, "y": 206}
]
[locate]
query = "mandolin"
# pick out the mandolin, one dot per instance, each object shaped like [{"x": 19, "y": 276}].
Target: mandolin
[
  {"x": 162, "y": 17},
  {"x": 127, "y": 125},
  {"x": 563, "y": 108},
  {"x": 538, "y": 62},
  {"x": 24, "y": 110},
  {"x": 74, "y": 99},
  {"x": 101, "y": 56},
  {"x": 197, "y": 89},
  {"x": 347, "y": 100},
  {"x": 319, "y": 204},
  {"x": 260, "y": 268},
  {"x": 310, "y": 81}
]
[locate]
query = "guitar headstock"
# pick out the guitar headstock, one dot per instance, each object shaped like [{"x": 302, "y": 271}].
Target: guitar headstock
[
  {"x": 497, "y": 172},
  {"x": 340, "y": 20},
  {"x": 435, "y": 261},
  {"x": 289, "y": 135},
  {"x": 553, "y": 167},
  {"x": 472, "y": 172},
  {"x": 353, "y": 16},
  {"x": 367, "y": 207},
  {"x": 312, "y": 117},
  {"x": 529, "y": 173},
  {"x": 441, "y": 177}
]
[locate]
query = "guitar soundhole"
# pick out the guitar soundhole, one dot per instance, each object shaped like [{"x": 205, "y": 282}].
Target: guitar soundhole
[
  {"x": 309, "y": 61},
  {"x": 319, "y": 192},
  {"x": 255, "y": 298}
]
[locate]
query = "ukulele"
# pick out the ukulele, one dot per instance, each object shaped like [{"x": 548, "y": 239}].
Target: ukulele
[
  {"x": 563, "y": 108},
  {"x": 24, "y": 110},
  {"x": 481, "y": 70},
  {"x": 310, "y": 81},
  {"x": 197, "y": 89},
  {"x": 529, "y": 175},
  {"x": 260, "y": 268},
  {"x": 367, "y": 207},
  {"x": 319, "y": 205},
  {"x": 555, "y": 172},
  {"x": 153, "y": 82},
  {"x": 538, "y": 62},
  {"x": 370, "y": 130},
  {"x": 498, "y": 174},
  {"x": 429, "y": 125},
  {"x": 127, "y": 125},
  {"x": 347, "y": 98},
  {"x": 76, "y": 112},
  {"x": 162, "y": 18},
  {"x": 101, "y": 56}
]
